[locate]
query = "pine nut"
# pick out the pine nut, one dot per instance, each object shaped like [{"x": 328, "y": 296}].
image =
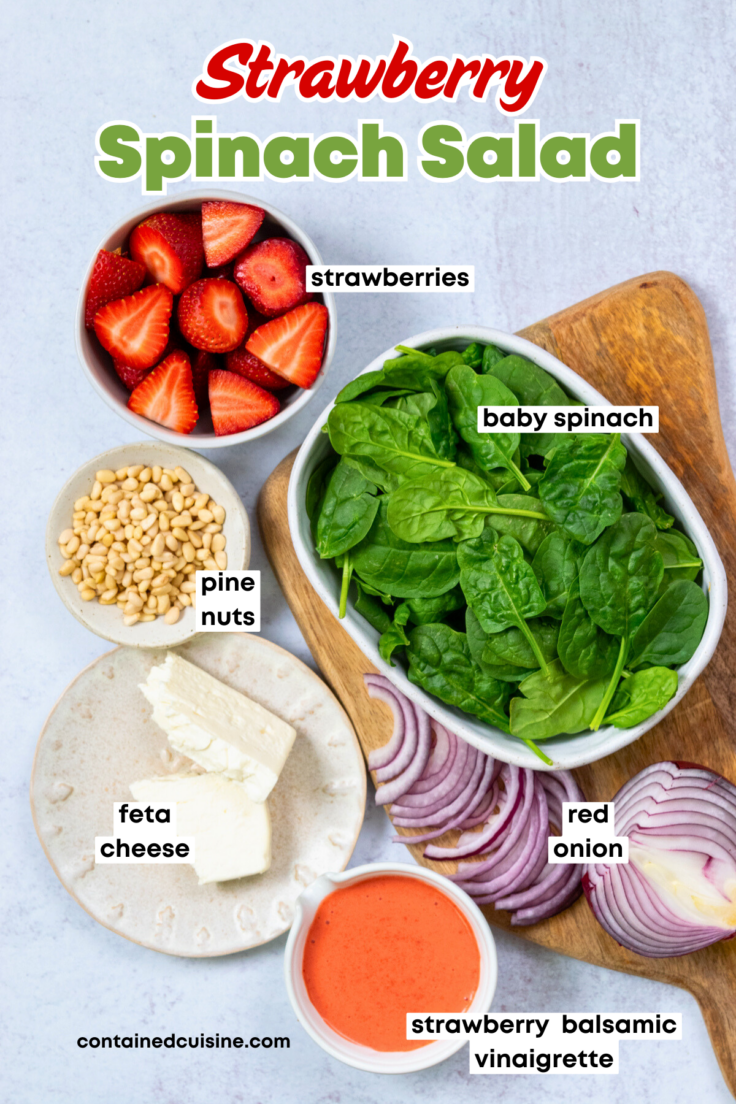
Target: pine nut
[{"x": 137, "y": 539}]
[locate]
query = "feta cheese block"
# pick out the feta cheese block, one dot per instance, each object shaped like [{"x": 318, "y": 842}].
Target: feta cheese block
[
  {"x": 232, "y": 834},
  {"x": 219, "y": 728}
]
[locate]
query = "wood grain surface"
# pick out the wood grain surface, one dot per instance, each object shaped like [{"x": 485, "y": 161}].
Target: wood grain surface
[{"x": 642, "y": 342}]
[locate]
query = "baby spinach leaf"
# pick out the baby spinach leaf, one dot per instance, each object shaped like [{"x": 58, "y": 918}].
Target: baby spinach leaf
[
  {"x": 372, "y": 610},
  {"x": 670, "y": 633},
  {"x": 500, "y": 585},
  {"x": 395, "y": 635},
  {"x": 500, "y": 479},
  {"x": 426, "y": 611},
  {"x": 398, "y": 443},
  {"x": 580, "y": 488},
  {"x": 414, "y": 360},
  {"x": 491, "y": 356},
  {"x": 451, "y": 503},
  {"x": 360, "y": 385},
  {"x": 619, "y": 580},
  {"x": 642, "y": 695},
  {"x": 383, "y": 397},
  {"x": 585, "y": 650},
  {"x": 440, "y": 662},
  {"x": 317, "y": 485},
  {"x": 433, "y": 406},
  {"x": 531, "y": 385},
  {"x": 370, "y": 471},
  {"x": 555, "y": 704},
  {"x": 641, "y": 496},
  {"x": 529, "y": 531},
  {"x": 348, "y": 509},
  {"x": 476, "y": 637},
  {"x": 555, "y": 564},
  {"x": 620, "y": 575},
  {"x": 538, "y": 444},
  {"x": 466, "y": 391},
  {"x": 511, "y": 645},
  {"x": 680, "y": 556},
  {"x": 404, "y": 570},
  {"x": 473, "y": 355}
]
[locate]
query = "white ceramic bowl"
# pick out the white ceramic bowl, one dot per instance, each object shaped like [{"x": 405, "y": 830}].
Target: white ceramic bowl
[
  {"x": 107, "y": 621},
  {"x": 353, "y": 1054},
  {"x": 97, "y": 363},
  {"x": 565, "y": 751}
]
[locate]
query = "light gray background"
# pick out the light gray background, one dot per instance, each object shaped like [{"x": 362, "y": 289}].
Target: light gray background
[{"x": 537, "y": 247}]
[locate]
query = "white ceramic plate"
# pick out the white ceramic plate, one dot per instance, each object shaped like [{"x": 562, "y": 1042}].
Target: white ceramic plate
[
  {"x": 97, "y": 363},
  {"x": 565, "y": 751},
  {"x": 107, "y": 621},
  {"x": 100, "y": 737}
]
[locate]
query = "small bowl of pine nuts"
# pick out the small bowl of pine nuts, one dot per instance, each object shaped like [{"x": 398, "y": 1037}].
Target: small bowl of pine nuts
[{"x": 127, "y": 533}]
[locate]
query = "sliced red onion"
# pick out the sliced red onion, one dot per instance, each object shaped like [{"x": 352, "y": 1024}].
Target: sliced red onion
[
  {"x": 453, "y": 785},
  {"x": 677, "y": 893}
]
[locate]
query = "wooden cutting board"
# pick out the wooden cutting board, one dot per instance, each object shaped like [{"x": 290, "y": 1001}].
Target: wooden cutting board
[{"x": 642, "y": 342}]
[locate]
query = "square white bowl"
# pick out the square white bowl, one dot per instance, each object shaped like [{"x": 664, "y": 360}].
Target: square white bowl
[
  {"x": 97, "y": 363},
  {"x": 565, "y": 751}
]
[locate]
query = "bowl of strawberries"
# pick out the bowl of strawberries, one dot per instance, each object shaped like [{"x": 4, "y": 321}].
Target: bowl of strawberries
[{"x": 194, "y": 322}]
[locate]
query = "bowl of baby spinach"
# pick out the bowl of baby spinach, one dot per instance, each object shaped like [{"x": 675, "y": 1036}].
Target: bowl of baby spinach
[{"x": 548, "y": 596}]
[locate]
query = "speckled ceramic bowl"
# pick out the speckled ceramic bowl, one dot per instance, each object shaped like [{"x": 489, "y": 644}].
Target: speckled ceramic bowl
[{"x": 107, "y": 621}]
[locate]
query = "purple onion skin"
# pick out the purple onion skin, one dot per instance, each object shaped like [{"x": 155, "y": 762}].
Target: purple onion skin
[{"x": 653, "y": 944}]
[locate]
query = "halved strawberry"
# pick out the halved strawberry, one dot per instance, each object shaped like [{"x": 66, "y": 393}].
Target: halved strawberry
[
  {"x": 227, "y": 228},
  {"x": 131, "y": 377},
  {"x": 212, "y": 315},
  {"x": 166, "y": 395},
  {"x": 112, "y": 277},
  {"x": 292, "y": 345},
  {"x": 170, "y": 246},
  {"x": 202, "y": 364},
  {"x": 249, "y": 366},
  {"x": 135, "y": 329},
  {"x": 273, "y": 274},
  {"x": 238, "y": 404}
]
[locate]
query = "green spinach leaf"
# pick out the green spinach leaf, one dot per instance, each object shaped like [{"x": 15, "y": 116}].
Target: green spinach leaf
[
  {"x": 473, "y": 355},
  {"x": 348, "y": 509},
  {"x": 671, "y": 631},
  {"x": 491, "y": 356},
  {"x": 500, "y": 585},
  {"x": 466, "y": 391},
  {"x": 529, "y": 531},
  {"x": 476, "y": 637},
  {"x": 641, "y": 496},
  {"x": 555, "y": 704},
  {"x": 451, "y": 503},
  {"x": 317, "y": 485},
  {"x": 555, "y": 564},
  {"x": 531, "y": 385},
  {"x": 580, "y": 488},
  {"x": 640, "y": 696},
  {"x": 394, "y": 636},
  {"x": 426, "y": 611},
  {"x": 395, "y": 567},
  {"x": 440, "y": 662},
  {"x": 372, "y": 610},
  {"x": 585, "y": 650},
  {"x": 511, "y": 645},
  {"x": 399, "y": 443}
]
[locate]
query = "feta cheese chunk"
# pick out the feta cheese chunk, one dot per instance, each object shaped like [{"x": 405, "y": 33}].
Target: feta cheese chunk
[
  {"x": 219, "y": 728},
  {"x": 232, "y": 834}
]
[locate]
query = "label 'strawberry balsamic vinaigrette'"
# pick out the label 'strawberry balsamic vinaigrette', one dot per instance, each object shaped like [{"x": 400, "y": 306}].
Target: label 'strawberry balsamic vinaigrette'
[{"x": 384, "y": 947}]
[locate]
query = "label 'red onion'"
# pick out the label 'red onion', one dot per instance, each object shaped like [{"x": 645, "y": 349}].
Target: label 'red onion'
[
  {"x": 678, "y": 892},
  {"x": 385, "y": 946}
]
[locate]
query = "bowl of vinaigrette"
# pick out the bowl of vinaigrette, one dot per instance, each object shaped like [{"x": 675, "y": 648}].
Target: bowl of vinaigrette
[{"x": 378, "y": 947}]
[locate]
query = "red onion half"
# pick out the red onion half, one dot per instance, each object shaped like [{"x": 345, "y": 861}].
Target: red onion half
[
  {"x": 505, "y": 813},
  {"x": 677, "y": 893}
]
